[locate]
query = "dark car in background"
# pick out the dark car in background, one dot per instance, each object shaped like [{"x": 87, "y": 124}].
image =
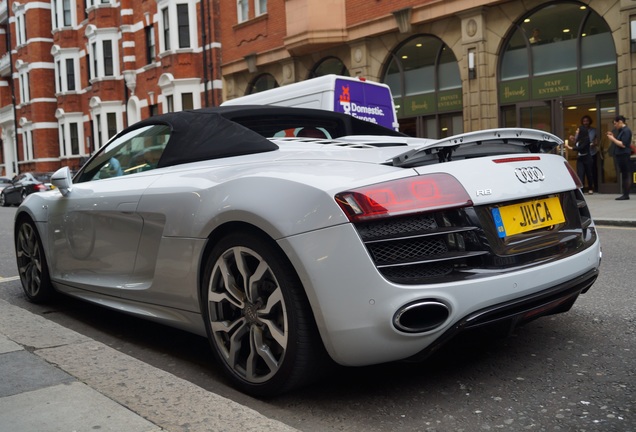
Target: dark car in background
[
  {"x": 4, "y": 182},
  {"x": 23, "y": 185}
]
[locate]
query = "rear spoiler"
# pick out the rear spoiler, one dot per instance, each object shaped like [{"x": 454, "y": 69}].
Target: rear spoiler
[{"x": 488, "y": 142}]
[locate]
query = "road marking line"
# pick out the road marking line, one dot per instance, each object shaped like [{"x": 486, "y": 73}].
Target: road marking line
[{"x": 8, "y": 279}]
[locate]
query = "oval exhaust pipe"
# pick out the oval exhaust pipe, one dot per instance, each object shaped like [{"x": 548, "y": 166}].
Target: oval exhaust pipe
[{"x": 421, "y": 316}]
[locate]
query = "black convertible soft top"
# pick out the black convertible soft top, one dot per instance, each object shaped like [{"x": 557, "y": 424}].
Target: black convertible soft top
[
  {"x": 205, "y": 134},
  {"x": 212, "y": 133}
]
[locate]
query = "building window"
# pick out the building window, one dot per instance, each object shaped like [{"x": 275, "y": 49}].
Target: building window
[
  {"x": 260, "y": 7},
  {"x": 107, "y": 53},
  {"x": 184, "y": 26},
  {"x": 98, "y": 131},
  {"x": 70, "y": 74},
  {"x": 21, "y": 37},
  {"x": 177, "y": 24},
  {"x": 94, "y": 62},
  {"x": 111, "y": 124},
  {"x": 66, "y": 11},
  {"x": 74, "y": 130},
  {"x": 104, "y": 52},
  {"x": 71, "y": 133},
  {"x": 242, "y": 10},
  {"x": 23, "y": 79},
  {"x": 150, "y": 44},
  {"x": 66, "y": 67},
  {"x": 169, "y": 103},
  {"x": 91, "y": 3},
  {"x": 187, "y": 102},
  {"x": 58, "y": 72},
  {"x": 62, "y": 140},
  {"x": 180, "y": 94},
  {"x": 27, "y": 141},
  {"x": 166, "y": 29},
  {"x": 154, "y": 110},
  {"x": 63, "y": 12},
  {"x": 108, "y": 118}
]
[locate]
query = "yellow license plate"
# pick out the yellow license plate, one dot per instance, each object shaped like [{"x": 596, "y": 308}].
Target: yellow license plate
[{"x": 527, "y": 216}]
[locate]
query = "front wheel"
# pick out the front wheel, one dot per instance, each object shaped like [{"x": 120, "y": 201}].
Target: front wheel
[
  {"x": 32, "y": 267},
  {"x": 3, "y": 200},
  {"x": 257, "y": 317}
]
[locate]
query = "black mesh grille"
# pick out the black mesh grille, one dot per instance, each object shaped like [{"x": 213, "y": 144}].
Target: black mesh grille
[
  {"x": 455, "y": 244},
  {"x": 399, "y": 251}
]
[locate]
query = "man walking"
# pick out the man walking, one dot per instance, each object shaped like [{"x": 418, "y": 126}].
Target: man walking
[{"x": 622, "y": 141}]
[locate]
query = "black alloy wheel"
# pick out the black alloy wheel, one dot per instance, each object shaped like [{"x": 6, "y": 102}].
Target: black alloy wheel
[{"x": 32, "y": 266}]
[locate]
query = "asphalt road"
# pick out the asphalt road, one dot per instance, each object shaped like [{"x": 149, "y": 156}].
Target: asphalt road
[{"x": 570, "y": 372}]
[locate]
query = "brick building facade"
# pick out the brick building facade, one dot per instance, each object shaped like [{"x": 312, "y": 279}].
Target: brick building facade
[
  {"x": 452, "y": 65},
  {"x": 80, "y": 70}
]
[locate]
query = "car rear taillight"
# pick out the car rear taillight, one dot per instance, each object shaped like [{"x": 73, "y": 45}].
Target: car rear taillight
[
  {"x": 40, "y": 187},
  {"x": 574, "y": 175},
  {"x": 409, "y": 195}
]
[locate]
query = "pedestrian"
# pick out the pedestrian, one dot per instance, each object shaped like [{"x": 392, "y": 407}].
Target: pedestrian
[
  {"x": 592, "y": 184},
  {"x": 584, "y": 157},
  {"x": 622, "y": 140}
]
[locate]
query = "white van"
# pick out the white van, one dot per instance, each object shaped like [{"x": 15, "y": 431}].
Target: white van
[{"x": 366, "y": 100}]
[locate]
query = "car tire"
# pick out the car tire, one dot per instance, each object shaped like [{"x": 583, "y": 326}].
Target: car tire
[
  {"x": 264, "y": 335},
  {"x": 32, "y": 265},
  {"x": 3, "y": 200}
]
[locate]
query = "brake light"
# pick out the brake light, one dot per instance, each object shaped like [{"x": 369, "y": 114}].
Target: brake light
[
  {"x": 40, "y": 187},
  {"x": 574, "y": 175},
  {"x": 409, "y": 195},
  {"x": 517, "y": 159}
]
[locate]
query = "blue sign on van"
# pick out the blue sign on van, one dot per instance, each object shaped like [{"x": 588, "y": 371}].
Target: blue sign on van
[{"x": 366, "y": 102}]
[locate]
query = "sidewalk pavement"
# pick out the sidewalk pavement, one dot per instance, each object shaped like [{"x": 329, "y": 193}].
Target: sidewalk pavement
[
  {"x": 607, "y": 211},
  {"x": 53, "y": 379}
]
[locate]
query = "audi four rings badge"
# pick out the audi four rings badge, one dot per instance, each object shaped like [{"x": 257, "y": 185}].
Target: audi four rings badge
[{"x": 529, "y": 174}]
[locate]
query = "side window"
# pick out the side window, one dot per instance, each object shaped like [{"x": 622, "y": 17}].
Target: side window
[{"x": 136, "y": 151}]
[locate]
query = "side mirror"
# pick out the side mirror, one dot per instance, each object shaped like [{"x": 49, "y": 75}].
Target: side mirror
[{"x": 62, "y": 180}]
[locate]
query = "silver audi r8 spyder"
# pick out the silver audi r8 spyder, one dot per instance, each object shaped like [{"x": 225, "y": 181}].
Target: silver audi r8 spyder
[{"x": 290, "y": 253}]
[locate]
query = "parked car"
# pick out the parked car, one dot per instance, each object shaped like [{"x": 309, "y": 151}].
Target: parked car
[
  {"x": 290, "y": 254},
  {"x": 23, "y": 185},
  {"x": 4, "y": 182}
]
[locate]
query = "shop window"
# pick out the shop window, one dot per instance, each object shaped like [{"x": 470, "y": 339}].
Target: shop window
[
  {"x": 329, "y": 65},
  {"x": 426, "y": 84},
  {"x": 262, "y": 82},
  {"x": 557, "y": 38}
]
